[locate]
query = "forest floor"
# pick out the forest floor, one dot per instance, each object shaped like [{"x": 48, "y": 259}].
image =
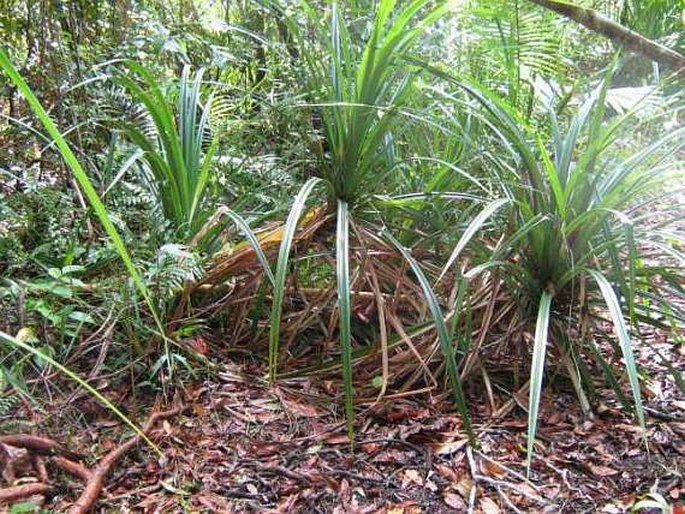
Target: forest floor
[{"x": 241, "y": 445}]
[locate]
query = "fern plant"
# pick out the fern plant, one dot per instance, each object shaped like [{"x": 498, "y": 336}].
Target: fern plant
[
  {"x": 172, "y": 267},
  {"x": 8, "y": 399},
  {"x": 509, "y": 44}
]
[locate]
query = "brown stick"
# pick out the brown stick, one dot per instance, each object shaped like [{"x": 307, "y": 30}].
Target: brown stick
[
  {"x": 96, "y": 482},
  {"x": 18, "y": 492},
  {"x": 38, "y": 444},
  {"x": 73, "y": 468},
  {"x": 617, "y": 33},
  {"x": 39, "y": 466}
]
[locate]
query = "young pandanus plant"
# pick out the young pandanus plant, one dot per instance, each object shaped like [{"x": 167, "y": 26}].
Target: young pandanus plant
[
  {"x": 359, "y": 92},
  {"x": 174, "y": 143},
  {"x": 579, "y": 203}
]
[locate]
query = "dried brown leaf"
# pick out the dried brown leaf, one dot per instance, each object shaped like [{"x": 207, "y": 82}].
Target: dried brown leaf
[
  {"x": 300, "y": 409},
  {"x": 411, "y": 476},
  {"x": 447, "y": 472},
  {"x": 492, "y": 469},
  {"x": 488, "y": 506},
  {"x": 454, "y": 501},
  {"x": 449, "y": 447},
  {"x": 602, "y": 471}
]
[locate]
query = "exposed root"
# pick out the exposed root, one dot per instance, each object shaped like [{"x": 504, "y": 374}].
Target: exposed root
[
  {"x": 37, "y": 444},
  {"x": 96, "y": 482},
  {"x": 39, "y": 466},
  {"x": 19, "y": 492},
  {"x": 73, "y": 468}
]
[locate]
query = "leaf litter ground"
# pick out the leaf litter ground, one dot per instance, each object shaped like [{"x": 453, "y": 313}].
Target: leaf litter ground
[{"x": 241, "y": 445}]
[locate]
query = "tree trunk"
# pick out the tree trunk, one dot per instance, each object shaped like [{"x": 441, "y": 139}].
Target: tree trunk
[{"x": 617, "y": 33}]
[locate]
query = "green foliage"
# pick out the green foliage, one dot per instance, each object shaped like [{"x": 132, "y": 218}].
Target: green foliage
[
  {"x": 576, "y": 190},
  {"x": 53, "y": 299},
  {"x": 474, "y": 141},
  {"x": 342, "y": 272},
  {"x": 655, "y": 19},
  {"x": 173, "y": 266},
  {"x": 80, "y": 174},
  {"x": 7, "y": 401},
  {"x": 359, "y": 91},
  {"x": 537, "y": 370},
  {"x": 179, "y": 168},
  {"x": 282, "y": 269},
  {"x": 34, "y": 227},
  {"x": 573, "y": 206},
  {"x": 511, "y": 45}
]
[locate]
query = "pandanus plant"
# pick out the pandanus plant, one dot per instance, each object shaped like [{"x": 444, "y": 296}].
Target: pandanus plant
[
  {"x": 175, "y": 145},
  {"x": 584, "y": 211},
  {"x": 360, "y": 92}
]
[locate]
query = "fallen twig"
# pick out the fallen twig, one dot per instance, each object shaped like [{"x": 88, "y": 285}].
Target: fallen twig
[
  {"x": 104, "y": 344},
  {"x": 513, "y": 473},
  {"x": 661, "y": 415},
  {"x": 497, "y": 484},
  {"x": 282, "y": 470},
  {"x": 474, "y": 477},
  {"x": 96, "y": 482},
  {"x": 73, "y": 468},
  {"x": 18, "y": 492},
  {"x": 507, "y": 501}
]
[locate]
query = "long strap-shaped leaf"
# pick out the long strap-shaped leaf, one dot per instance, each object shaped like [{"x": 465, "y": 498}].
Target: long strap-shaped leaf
[
  {"x": 471, "y": 230},
  {"x": 623, "y": 339},
  {"x": 201, "y": 184},
  {"x": 245, "y": 227},
  {"x": 443, "y": 335},
  {"x": 83, "y": 181},
  {"x": 14, "y": 341},
  {"x": 537, "y": 371},
  {"x": 282, "y": 270},
  {"x": 342, "y": 269}
]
